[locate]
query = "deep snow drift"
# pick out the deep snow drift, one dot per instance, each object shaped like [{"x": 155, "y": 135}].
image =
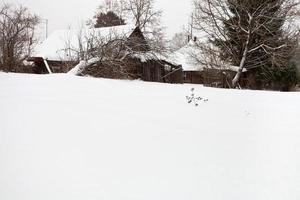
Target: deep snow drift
[{"x": 71, "y": 138}]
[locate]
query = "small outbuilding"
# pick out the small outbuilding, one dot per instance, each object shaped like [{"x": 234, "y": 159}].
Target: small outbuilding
[
  {"x": 135, "y": 60},
  {"x": 192, "y": 72}
]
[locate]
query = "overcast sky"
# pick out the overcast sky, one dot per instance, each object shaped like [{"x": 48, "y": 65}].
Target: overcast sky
[{"x": 62, "y": 13}]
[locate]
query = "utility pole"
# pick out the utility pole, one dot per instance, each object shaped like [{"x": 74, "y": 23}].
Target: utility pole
[
  {"x": 46, "y": 27},
  {"x": 192, "y": 22}
]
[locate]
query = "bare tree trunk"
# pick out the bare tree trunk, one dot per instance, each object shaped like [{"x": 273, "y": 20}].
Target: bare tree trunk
[{"x": 239, "y": 73}]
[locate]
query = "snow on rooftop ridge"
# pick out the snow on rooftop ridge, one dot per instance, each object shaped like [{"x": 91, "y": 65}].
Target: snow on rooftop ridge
[
  {"x": 189, "y": 55},
  {"x": 60, "y": 45},
  {"x": 186, "y": 56},
  {"x": 183, "y": 56}
]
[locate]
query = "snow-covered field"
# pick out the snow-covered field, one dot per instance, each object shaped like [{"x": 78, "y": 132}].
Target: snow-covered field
[{"x": 71, "y": 138}]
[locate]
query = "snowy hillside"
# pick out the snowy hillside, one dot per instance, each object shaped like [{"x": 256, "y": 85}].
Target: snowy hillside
[{"x": 71, "y": 138}]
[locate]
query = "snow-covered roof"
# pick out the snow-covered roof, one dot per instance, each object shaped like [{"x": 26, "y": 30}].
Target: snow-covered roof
[
  {"x": 187, "y": 57},
  {"x": 60, "y": 45},
  {"x": 184, "y": 57}
]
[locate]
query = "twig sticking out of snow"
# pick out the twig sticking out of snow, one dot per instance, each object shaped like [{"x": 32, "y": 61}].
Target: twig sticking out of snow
[{"x": 195, "y": 99}]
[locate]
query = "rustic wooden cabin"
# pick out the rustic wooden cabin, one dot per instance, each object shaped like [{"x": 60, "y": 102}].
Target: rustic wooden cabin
[
  {"x": 140, "y": 63},
  {"x": 133, "y": 68},
  {"x": 195, "y": 77},
  {"x": 159, "y": 70},
  {"x": 60, "y": 51},
  {"x": 152, "y": 66},
  {"x": 53, "y": 56},
  {"x": 192, "y": 72}
]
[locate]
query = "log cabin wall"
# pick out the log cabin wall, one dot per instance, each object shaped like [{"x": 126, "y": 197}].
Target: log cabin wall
[
  {"x": 61, "y": 66},
  {"x": 155, "y": 71},
  {"x": 177, "y": 76},
  {"x": 195, "y": 77},
  {"x": 151, "y": 71},
  {"x": 223, "y": 78}
]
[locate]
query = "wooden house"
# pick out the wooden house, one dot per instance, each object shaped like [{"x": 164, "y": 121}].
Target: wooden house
[
  {"x": 192, "y": 72},
  {"x": 153, "y": 68},
  {"x": 56, "y": 55},
  {"x": 141, "y": 63},
  {"x": 63, "y": 49}
]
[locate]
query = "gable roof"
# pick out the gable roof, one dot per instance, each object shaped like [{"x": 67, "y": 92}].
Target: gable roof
[
  {"x": 187, "y": 57},
  {"x": 61, "y": 44},
  {"x": 184, "y": 57},
  {"x": 137, "y": 41}
]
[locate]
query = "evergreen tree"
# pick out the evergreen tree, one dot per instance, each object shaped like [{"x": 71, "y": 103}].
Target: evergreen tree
[
  {"x": 108, "y": 19},
  {"x": 252, "y": 34},
  {"x": 269, "y": 50}
]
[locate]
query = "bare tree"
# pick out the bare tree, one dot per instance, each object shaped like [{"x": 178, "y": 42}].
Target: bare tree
[
  {"x": 148, "y": 19},
  {"x": 77, "y": 43},
  {"x": 143, "y": 12},
  {"x": 109, "y": 55},
  {"x": 179, "y": 40},
  {"x": 248, "y": 34},
  {"x": 86, "y": 44},
  {"x": 17, "y": 28},
  {"x": 144, "y": 15}
]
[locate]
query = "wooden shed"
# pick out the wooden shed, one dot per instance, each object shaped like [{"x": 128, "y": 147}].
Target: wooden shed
[
  {"x": 137, "y": 62},
  {"x": 192, "y": 72},
  {"x": 161, "y": 71},
  {"x": 44, "y": 66},
  {"x": 151, "y": 70},
  {"x": 195, "y": 77}
]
